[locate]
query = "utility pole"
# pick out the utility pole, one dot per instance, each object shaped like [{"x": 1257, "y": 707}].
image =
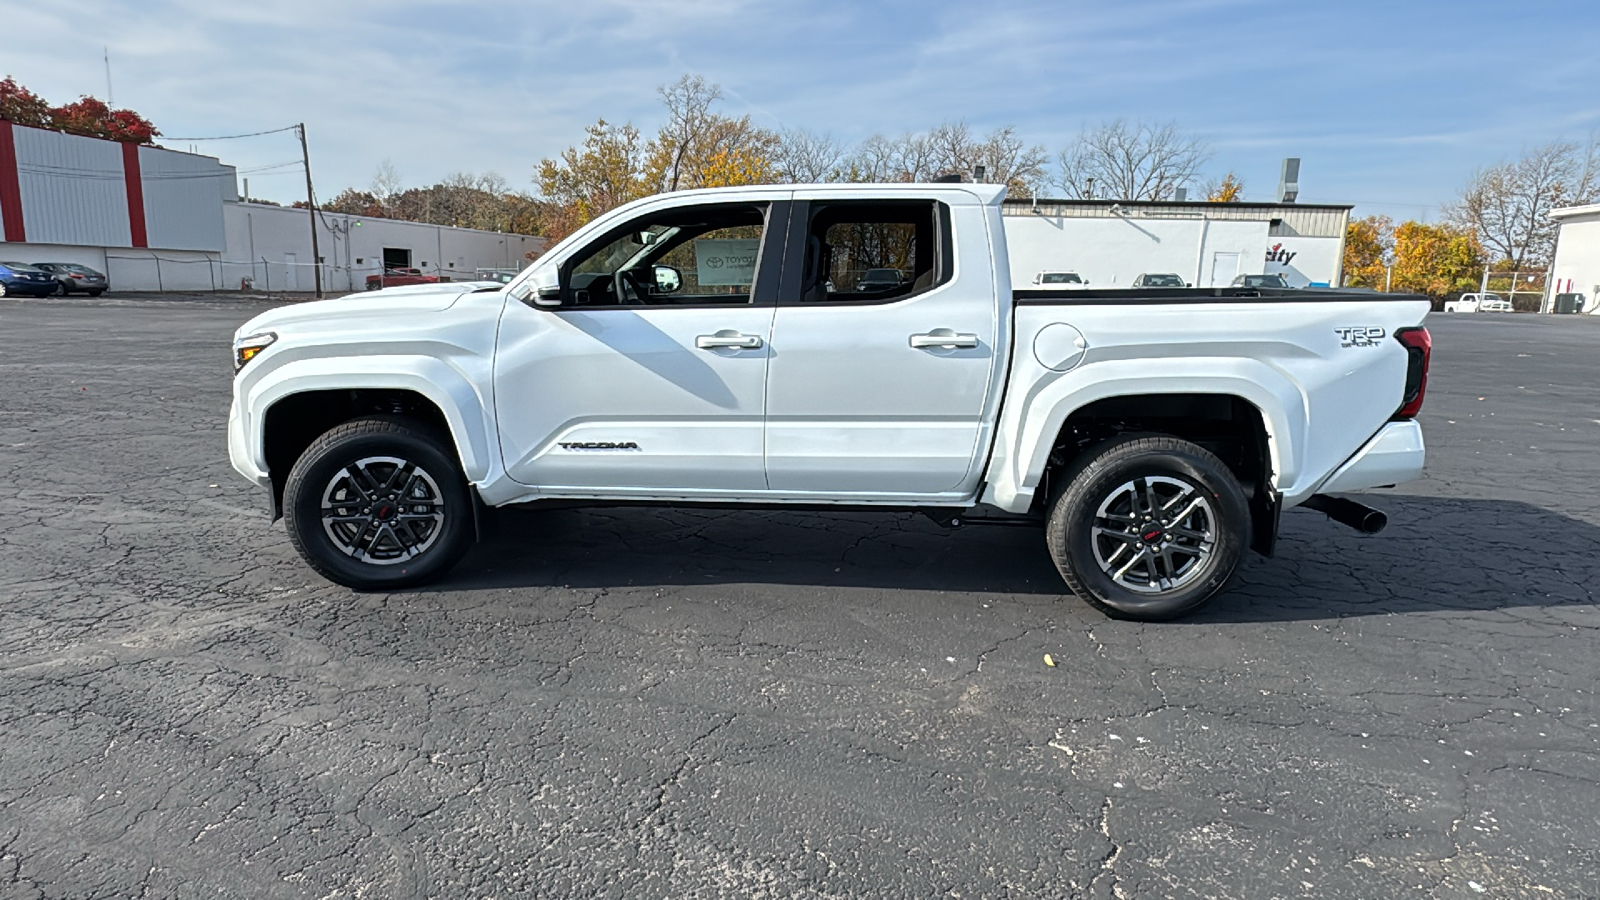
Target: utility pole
[{"x": 311, "y": 210}]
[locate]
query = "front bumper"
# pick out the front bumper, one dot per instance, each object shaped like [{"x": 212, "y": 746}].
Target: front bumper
[{"x": 1394, "y": 455}]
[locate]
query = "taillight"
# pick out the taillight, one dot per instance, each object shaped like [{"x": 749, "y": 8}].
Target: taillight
[
  {"x": 76, "y": 275},
  {"x": 1419, "y": 348}
]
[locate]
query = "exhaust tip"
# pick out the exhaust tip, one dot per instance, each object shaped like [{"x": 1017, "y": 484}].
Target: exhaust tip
[{"x": 1359, "y": 516}]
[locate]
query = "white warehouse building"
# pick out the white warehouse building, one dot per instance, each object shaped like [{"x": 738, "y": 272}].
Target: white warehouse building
[
  {"x": 1576, "y": 269},
  {"x": 1109, "y": 243},
  {"x": 154, "y": 219}
]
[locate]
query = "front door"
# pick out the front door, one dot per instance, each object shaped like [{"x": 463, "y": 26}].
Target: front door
[
  {"x": 650, "y": 378},
  {"x": 884, "y": 351}
]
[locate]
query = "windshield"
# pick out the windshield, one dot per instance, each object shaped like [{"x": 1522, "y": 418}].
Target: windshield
[
  {"x": 19, "y": 267},
  {"x": 1061, "y": 278},
  {"x": 1162, "y": 281},
  {"x": 1266, "y": 281}
]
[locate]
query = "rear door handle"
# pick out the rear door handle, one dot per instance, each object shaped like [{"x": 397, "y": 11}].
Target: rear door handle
[
  {"x": 727, "y": 338},
  {"x": 943, "y": 339}
]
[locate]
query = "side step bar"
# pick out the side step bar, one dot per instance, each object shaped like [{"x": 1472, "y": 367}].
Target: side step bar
[{"x": 1359, "y": 516}]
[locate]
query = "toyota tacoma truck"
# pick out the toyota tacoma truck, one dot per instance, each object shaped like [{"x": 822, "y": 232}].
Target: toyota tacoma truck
[{"x": 692, "y": 348}]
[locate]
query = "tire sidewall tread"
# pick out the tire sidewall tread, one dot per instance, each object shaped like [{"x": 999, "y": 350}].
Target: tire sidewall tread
[
  {"x": 375, "y": 436},
  {"x": 1072, "y": 511}
]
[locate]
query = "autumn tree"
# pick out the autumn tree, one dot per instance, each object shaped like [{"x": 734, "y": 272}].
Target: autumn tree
[
  {"x": 463, "y": 200},
  {"x": 22, "y": 106},
  {"x": 1122, "y": 160},
  {"x": 1436, "y": 260},
  {"x": 1229, "y": 190},
  {"x": 607, "y": 171},
  {"x": 1508, "y": 205},
  {"x": 87, "y": 116},
  {"x": 1368, "y": 245},
  {"x": 93, "y": 118}
]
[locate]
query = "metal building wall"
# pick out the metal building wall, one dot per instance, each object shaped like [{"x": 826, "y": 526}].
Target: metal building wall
[
  {"x": 73, "y": 189},
  {"x": 183, "y": 197},
  {"x": 79, "y": 191}
]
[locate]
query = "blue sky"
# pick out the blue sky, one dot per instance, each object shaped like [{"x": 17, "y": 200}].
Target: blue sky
[{"x": 1391, "y": 105}]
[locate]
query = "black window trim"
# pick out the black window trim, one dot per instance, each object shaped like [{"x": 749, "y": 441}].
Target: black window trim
[
  {"x": 799, "y": 231},
  {"x": 769, "y": 259}
]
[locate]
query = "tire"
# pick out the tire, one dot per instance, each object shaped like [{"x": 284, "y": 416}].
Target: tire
[
  {"x": 382, "y": 543},
  {"x": 1130, "y": 567},
  {"x": 2, "y": 288}
]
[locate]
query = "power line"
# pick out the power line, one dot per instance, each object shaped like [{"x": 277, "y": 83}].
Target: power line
[{"x": 231, "y": 137}]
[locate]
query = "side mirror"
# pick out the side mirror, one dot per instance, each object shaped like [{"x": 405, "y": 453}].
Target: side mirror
[
  {"x": 545, "y": 289},
  {"x": 1187, "y": 284},
  {"x": 668, "y": 279}
]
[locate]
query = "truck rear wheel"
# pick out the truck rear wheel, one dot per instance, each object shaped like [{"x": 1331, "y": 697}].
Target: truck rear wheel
[
  {"x": 1150, "y": 528},
  {"x": 377, "y": 504}
]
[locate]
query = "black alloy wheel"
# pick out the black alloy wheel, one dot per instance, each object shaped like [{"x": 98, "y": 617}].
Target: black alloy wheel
[
  {"x": 378, "y": 503},
  {"x": 1149, "y": 528}
]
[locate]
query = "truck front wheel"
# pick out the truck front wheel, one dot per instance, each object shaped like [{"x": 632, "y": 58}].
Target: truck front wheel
[
  {"x": 377, "y": 504},
  {"x": 1150, "y": 528}
]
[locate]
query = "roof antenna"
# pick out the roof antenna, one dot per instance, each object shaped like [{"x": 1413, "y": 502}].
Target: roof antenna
[{"x": 110, "y": 101}]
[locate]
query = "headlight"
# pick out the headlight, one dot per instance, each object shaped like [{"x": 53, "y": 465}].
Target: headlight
[{"x": 248, "y": 348}]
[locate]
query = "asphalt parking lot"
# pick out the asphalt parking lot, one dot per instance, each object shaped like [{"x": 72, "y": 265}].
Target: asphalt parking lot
[{"x": 676, "y": 703}]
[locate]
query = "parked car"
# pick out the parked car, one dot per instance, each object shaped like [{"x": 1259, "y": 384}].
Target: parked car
[
  {"x": 76, "y": 279},
  {"x": 1060, "y": 280},
  {"x": 1467, "y": 303},
  {"x": 1161, "y": 280},
  {"x": 397, "y": 277},
  {"x": 379, "y": 426},
  {"x": 23, "y": 280},
  {"x": 1260, "y": 281},
  {"x": 879, "y": 280}
]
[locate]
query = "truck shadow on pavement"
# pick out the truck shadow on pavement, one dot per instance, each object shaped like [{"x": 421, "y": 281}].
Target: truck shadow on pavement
[{"x": 1437, "y": 555}]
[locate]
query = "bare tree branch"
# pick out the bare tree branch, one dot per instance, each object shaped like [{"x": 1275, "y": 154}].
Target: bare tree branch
[
  {"x": 1131, "y": 161},
  {"x": 1508, "y": 205},
  {"x": 805, "y": 157}
]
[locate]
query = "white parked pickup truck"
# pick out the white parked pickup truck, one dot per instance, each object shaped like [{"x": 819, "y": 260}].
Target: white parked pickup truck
[
  {"x": 1468, "y": 303},
  {"x": 692, "y": 348}
]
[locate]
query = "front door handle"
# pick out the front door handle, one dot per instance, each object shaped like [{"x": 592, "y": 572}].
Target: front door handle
[
  {"x": 943, "y": 339},
  {"x": 727, "y": 338}
]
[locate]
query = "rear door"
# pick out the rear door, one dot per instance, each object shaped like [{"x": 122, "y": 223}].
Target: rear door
[{"x": 882, "y": 393}]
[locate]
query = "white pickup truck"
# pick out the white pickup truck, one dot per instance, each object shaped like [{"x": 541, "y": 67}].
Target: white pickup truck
[{"x": 693, "y": 348}]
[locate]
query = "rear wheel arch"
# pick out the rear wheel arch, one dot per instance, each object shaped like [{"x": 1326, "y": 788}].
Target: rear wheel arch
[{"x": 1229, "y": 426}]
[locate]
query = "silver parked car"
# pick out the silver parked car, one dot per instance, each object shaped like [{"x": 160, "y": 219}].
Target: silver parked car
[
  {"x": 1260, "y": 281},
  {"x": 76, "y": 279},
  {"x": 1159, "y": 280}
]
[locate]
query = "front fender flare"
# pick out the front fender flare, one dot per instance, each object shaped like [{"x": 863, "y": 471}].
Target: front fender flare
[{"x": 467, "y": 413}]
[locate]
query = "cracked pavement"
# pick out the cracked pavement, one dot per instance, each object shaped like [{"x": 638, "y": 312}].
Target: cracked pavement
[{"x": 668, "y": 703}]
